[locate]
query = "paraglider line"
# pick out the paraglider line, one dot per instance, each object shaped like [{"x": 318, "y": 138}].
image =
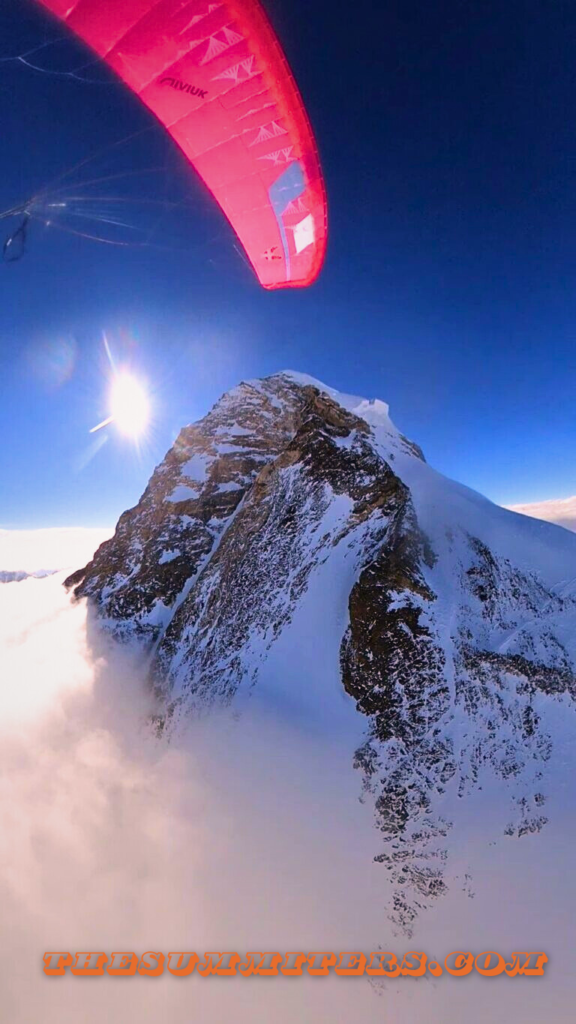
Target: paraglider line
[
  {"x": 18, "y": 236},
  {"x": 21, "y": 58},
  {"x": 100, "y": 152},
  {"x": 85, "y": 234},
  {"x": 94, "y": 181}
]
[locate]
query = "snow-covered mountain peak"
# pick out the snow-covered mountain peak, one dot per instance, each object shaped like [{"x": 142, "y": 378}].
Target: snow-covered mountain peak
[
  {"x": 373, "y": 410},
  {"x": 293, "y": 549}
]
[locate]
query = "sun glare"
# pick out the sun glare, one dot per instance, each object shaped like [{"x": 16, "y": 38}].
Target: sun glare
[{"x": 129, "y": 405}]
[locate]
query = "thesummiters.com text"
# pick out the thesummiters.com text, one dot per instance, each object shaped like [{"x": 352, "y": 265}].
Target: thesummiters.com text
[{"x": 271, "y": 964}]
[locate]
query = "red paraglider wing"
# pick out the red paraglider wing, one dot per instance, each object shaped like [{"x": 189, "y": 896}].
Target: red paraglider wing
[{"x": 215, "y": 75}]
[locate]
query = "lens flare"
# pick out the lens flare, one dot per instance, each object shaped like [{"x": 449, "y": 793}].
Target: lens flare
[{"x": 129, "y": 405}]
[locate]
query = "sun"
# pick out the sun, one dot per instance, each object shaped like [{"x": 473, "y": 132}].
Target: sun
[{"x": 129, "y": 405}]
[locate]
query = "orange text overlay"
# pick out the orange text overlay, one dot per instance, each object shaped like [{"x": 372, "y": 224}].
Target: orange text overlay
[{"x": 316, "y": 965}]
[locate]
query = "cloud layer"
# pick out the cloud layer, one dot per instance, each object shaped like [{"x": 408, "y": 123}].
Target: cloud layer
[
  {"x": 561, "y": 511},
  {"x": 236, "y": 836},
  {"x": 58, "y": 548}
]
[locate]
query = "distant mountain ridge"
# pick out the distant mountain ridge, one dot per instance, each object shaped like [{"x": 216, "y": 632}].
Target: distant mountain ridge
[{"x": 294, "y": 549}]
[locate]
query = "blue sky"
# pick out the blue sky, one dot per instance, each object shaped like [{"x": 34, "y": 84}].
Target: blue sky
[{"x": 447, "y": 137}]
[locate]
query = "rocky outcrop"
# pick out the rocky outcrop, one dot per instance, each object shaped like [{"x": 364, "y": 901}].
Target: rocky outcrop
[{"x": 139, "y": 576}]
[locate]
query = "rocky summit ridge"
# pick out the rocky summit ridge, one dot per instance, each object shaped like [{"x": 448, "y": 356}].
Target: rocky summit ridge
[{"x": 293, "y": 545}]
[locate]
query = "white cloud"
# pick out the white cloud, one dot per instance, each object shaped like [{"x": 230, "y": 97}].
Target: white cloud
[
  {"x": 58, "y": 548},
  {"x": 236, "y": 836},
  {"x": 561, "y": 511}
]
